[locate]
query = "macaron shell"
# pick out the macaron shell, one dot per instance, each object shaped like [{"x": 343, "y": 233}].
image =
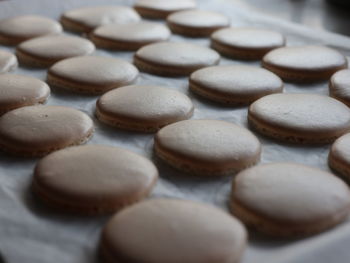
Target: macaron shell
[
  {"x": 17, "y": 29},
  {"x": 143, "y": 108},
  {"x": 286, "y": 199},
  {"x": 339, "y": 156},
  {"x": 300, "y": 118},
  {"x": 129, "y": 36},
  {"x": 87, "y": 18},
  {"x": 18, "y": 90},
  {"x": 8, "y": 62},
  {"x": 234, "y": 85},
  {"x": 339, "y": 86},
  {"x": 181, "y": 231},
  {"x": 93, "y": 179},
  {"x": 207, "y": 147},
  {"x": 174, "y": 59},
  {"x": 91, "y": 74},
  {"x": 38, "y": 130},
  {"x": 304, "y": 63},
  {"x": 45, "y": 51}
]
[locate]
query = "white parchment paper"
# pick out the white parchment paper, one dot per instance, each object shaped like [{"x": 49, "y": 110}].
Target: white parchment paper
[{"x": 29, "y": 233}]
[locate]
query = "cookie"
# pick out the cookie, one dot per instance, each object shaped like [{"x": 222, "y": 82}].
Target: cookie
[
  {"x": 172, "y": 231},
  {"x": 143, "y": 108},
  {"x": 174, "y": 58},
  {"x": 91, "y": 74},
  {"x": 93, "y": 179},
  {"x": 300, "y": 118},
  {"x": 8, "y": 62},
  {"x": 196, "y": 23},
  {"x": 19, "y": 91},
  {"x": 207, "y": 147},
  {"x": 38, "y": 130},
  {"x": 339, "y": 86},
  {"x": 304, "y": 63},
  {"x": 246, "y": 43},
  {"x": 17, "y": 29},
  {"x": 85, "y": 19},
  {"x": 47, "y": 50},
  {"x": 289, "y": 200},
  {"x": 129, "y": 37},
  {"x": 339, "y": 156},
  {"x": 234, "y": 85},
  {"x": 160, "y": 9}
]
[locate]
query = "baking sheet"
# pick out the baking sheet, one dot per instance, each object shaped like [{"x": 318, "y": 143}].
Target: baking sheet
[{"x": 30, "y": 233}]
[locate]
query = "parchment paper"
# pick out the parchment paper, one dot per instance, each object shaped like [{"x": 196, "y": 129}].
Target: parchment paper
[{"x": 29, "y": 233}]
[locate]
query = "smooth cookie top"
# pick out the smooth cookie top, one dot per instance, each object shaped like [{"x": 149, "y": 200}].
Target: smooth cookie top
[
  {"x": 198, "y": 19},
  {"x": 8, "y": 61},
  {"x": 57, "y": 47},
  {"x": 153, "y": 105},
  {"x": 291, "y": 193},
  {"x": 95, "y": 175},
  {"x": 181, "y": 231},
  {"x": 238, "y": 81},
  {"x": 339, "y": 85},
  {"x": 175, "y": 54},
  {"x": 307, "y": 114},
  {"x": 249, "y": 38},
  {"x": 341, "y": 149},
  {"x": 168, "y": 6},
  {"x": 41, "y": 129},
  {"x": 21, "y": 28},
  {"x": 19, "y": 90},
  {"x": 95, "y": 70}
]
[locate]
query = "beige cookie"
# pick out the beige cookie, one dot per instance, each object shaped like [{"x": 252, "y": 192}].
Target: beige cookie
[
  {"x": 196, "y": 23},
  {"x": 47, "y": 50},
  {"x": 160, "y": 9},
  {"x": 91, "y": 74},
  {"x": 8, "y": 61},
  {"x": 304, "y": 63},
  {"x": 289, "y": 200},
  {"x": 172, "y": 231},
  {"x": 300, "y": 118},
  {"x": 17, "y": 29},
  {"x": 234, "y": 85},
  {"x": 207, "y": 147},
  {"x": 339, "y": 156},
  {"x": 339, "y": 86},
  {"x": 85, "y": 19},
  {"x": 129, "y": 37},
  {"x": 18, "y": 91},
  {"x": 143, "y": 108},
  {"x": 174, "y": 58},
  {"x": 39, "y": 130},
  {"x": 246, "y": 43},
  {"x": 93, "y": 179}
]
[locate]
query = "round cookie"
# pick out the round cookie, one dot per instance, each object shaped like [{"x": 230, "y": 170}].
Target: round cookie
[
  {"x": 207, "y": 147},
  {"x": 18, "y": 91},
  {"x": 93, "y": 179},
  {"x": 8, "y": 62},
  {"x": 339, "y": 86},
  {"x": 181, "y": 231},
  {"x": 91, "y": 74},
  {"x": 246, "y": 43},
  {"x": 304, "y": 63},
  {"x": 289, "y": 200},
  {"x": 174, "y": 59},
  {"x": 196, "y": 23},
  {"x": 85, "y": 19},
  {"x": 234, "y": 85},
  {"x": 143, "y": 108},
  {"x": 339, "y": 156},
  {"x": 47, "y": 50},
  {"x": 160, "y": 9},
  {"x": 300, "y": 118},
  {"x": 14, "y": 30},
  {"x": 129, "y": 37},
  {"x": 38, "y": 130}
]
